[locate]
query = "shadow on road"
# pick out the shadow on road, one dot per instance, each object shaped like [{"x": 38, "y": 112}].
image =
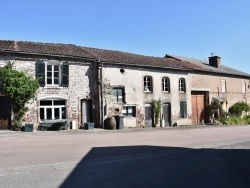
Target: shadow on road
[{"x": 153, "y": 166}]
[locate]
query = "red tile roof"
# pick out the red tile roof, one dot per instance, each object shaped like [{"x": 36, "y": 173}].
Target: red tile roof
[
  {"x": 135, "y": 59},
  {"x": 111, "y": 56},
  {"x": 44, "y": 48}
]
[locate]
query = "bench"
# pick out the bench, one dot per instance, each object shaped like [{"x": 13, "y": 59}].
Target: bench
[{"x": 55, "y": 124}]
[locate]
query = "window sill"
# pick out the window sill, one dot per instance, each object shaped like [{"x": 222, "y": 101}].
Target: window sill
[{"x": 53, "y": 87}]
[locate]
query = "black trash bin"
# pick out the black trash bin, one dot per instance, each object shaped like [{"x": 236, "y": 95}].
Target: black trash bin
[{"x": 119, "y": 122}]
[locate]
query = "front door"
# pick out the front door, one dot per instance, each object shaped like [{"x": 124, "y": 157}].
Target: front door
[
  {"x": 5, "y": 112},
  {"x": 148, "y": 115},
  {"x": 198, "y": 103},
  {"x": 86, "y": 111},
  {"x": 167, "y": 114}
]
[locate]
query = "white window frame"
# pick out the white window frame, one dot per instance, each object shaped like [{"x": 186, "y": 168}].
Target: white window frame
[
  {"x": 53, "y": 107},
  {"x": 223, "y": 86},
  {"x": 182, "y": 85},
  {"x": 53, "y": 64},
  {"x": 166, "y": 82},
  {"x": 148, "y": 84}
]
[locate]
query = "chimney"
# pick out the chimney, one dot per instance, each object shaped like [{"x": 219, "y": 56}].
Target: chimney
[{"x": 214, "y": 61}]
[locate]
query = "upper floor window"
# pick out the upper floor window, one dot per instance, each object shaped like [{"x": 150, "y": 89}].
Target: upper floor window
[
  {"x": 52, "y": 73},
  {"x": 118, "y": 95},
  {"x": 182, "y": 85},
  {"x": 148, "y": 84},
  {"x": 223, "y": 86},
  {"x": 243, "y": 86},
  {"x": 165, "y": 84}
]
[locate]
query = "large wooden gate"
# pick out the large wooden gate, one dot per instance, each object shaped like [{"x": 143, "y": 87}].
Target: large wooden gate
[
  {"x": 5, "y": 112},
  {"x": 198, "y": 107}
]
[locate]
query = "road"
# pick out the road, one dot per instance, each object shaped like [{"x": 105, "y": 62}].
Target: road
[{"x": 206, "y": 156}]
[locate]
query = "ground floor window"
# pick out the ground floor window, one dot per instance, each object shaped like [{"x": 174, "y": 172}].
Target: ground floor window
[
  {"x": 52, "y": 109},
  {"x": 129, "y": 111}
]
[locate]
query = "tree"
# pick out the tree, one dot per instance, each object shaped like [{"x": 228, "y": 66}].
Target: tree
[
  {"x": 21, "y": 88},
  {"x": 156, "y": 105}
]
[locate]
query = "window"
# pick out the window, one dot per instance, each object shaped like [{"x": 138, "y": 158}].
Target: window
[
  {"x": 243, "y": 86},
  {"x": 183, "y": 109},
  {"x": 118, "y": 95},
  {"x": 182, "y": 85},
  {"x": 129, "y": 111},
  {"x": 148, "y": 84},
  {"x": 52, "y": 109},
  {"x": 223, "y": 86},
  {"x": 165, "y": 84},
  {"x": 52, "y": 73}
]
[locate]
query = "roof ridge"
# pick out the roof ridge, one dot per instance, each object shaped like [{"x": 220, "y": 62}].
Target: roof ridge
[
  {"x": 184, "y": 57},
  {"x": 131, "y": 53}
]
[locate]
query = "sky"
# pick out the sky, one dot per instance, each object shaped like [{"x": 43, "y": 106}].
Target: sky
[{"x": 189, "y": 28}]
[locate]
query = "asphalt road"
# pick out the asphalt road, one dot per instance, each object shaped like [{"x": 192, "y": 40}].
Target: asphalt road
[{"x": 153, "y": 157}]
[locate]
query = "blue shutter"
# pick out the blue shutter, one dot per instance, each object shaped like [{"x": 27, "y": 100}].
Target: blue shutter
[
  {"x": 40, "y": 72},
  {"x": 183, "y": 109},
  {"x": 65, "y": 75}
]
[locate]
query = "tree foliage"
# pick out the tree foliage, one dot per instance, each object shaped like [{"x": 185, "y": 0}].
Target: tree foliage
[{"x": 21, "y": 88}]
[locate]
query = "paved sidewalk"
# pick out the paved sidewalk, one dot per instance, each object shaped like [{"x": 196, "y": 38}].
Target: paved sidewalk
[{"x": 106, "y": 131}]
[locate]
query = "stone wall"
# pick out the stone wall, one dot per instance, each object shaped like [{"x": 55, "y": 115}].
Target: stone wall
[{"x": 82, "y": 85}]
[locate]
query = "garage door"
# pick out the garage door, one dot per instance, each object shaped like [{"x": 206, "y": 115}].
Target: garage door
[{"x": 5, "y": 112}]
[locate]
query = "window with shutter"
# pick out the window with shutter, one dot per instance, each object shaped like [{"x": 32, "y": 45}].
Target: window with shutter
[{"x": 52, "y": 73}]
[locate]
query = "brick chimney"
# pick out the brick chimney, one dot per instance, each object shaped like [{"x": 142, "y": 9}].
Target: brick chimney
[{"x": 214, "y": 61}]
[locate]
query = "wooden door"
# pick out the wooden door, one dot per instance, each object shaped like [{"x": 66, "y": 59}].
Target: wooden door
[
  {"x": 198, "y": 101},
  {"x": 5, "y": 112}
]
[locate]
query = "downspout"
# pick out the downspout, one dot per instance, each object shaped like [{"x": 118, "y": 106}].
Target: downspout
[{"x": 102, "y": 100}]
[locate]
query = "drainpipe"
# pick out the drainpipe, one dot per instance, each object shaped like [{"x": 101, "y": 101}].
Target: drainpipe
[{"x": 102, "y": 100}]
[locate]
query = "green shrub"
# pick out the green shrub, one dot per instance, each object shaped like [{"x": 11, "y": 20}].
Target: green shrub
[{"x": 238, "y": 108}]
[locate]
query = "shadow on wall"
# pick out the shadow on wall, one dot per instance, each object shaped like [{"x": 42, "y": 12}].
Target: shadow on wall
[{"x": 153, "y": 166}]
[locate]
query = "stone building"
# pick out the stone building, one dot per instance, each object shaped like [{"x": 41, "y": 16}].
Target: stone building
[{"x": 68, "y": 88}]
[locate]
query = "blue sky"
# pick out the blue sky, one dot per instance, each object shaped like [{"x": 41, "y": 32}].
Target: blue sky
[{"x": 190, "y": 28}]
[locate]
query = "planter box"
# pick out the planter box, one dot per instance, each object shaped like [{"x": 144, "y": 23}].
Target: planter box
[
  {"x": 29, "y": 127},
  {"x": 89, "y": 126}
]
